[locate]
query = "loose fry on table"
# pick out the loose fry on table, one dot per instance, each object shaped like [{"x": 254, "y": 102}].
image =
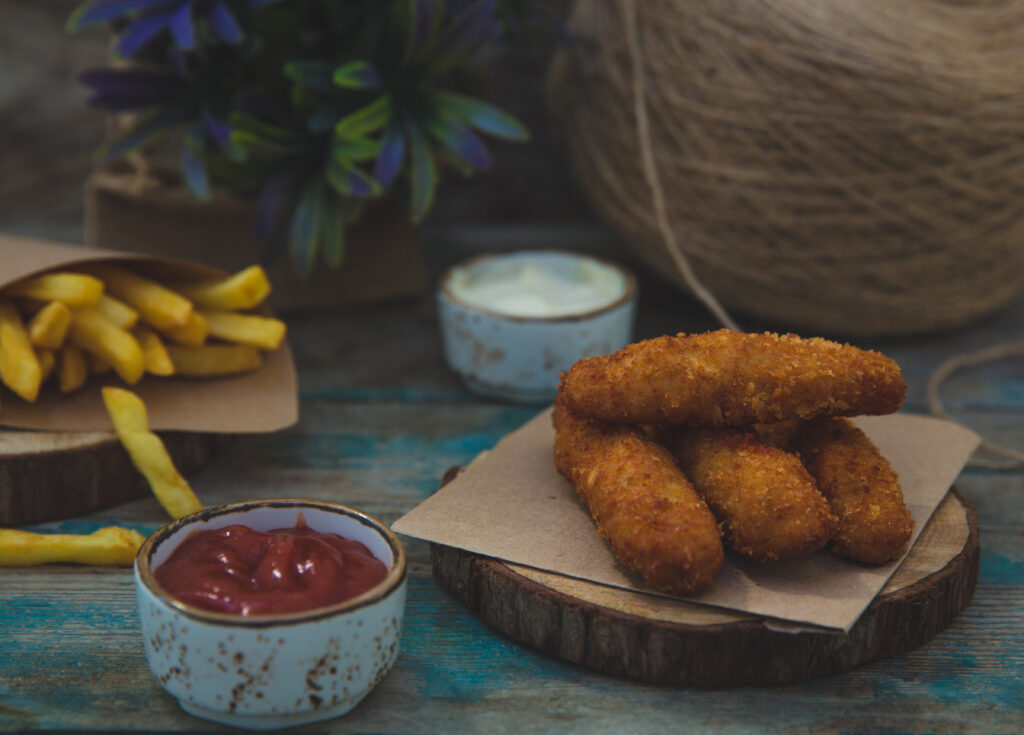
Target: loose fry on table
[
  {"x": 259, "y": 331},
  {"x": 117, "y": 311},
  {"x": 243, "y": 290},
  {"x": 156, "y": 304},
  {"x": 97, "y": 335},
  {"x": 154, "y": 352},
  {"x": 211, "y": 360},
  {"x": 643, "y": 505},
  {"x": 727, "y": 378},
  {"x": 147, "y": 452},
  {"x": 72, "y": 368},
  {"x": 109, "y": 546},
  {"x": 74, "y": 289},
  {"x": 19, "y": 368},
  {"x": 768, "y": 504},
  {"x": 193, "y": 332},
  {"x": 49, "y": 326},
  {"x": 860, "y": 485}
]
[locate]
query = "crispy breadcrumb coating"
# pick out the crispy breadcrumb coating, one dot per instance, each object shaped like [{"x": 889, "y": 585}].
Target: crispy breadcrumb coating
[
  {"x": 644, "y": 508},
  {"x": 728, "y": 378},
  {"x": 860, "y": 485},
  {"x": 766, "y": 501}
]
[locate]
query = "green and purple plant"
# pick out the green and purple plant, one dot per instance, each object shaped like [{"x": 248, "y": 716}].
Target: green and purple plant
[{"x": 311, "y": 107}]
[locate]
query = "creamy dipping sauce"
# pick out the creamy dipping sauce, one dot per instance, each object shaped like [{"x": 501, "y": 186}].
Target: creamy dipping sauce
[{"x": 537, "y": 286}]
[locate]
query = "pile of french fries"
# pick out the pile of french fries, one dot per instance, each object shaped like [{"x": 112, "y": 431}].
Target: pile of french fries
[
  {"x": 104, "y": 317},
  {"x": 100, "y": 318}
]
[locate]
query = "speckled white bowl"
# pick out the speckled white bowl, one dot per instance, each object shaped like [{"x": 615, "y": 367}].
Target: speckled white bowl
[
  {"x": 273, "y": 671},
  {"x": 519, "y": 358}
]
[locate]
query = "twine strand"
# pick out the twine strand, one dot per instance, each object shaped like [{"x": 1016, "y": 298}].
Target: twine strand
[
  {"x": 643, "y": 130},
  {"x": 1012, "y": 459}
]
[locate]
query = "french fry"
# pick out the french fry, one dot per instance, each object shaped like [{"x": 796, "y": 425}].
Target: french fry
[
  {"x": 73, "y": 289},
  {"x": 97, "y": 335},
  {"x": 117, "y": 311},
  {"x": 147, "y": 452},
  {"x": 212, "y": 360},
  {"x": 49, "y": 326},
  {"x": 156, "y": 304},
  {"x": 72, "y": 370},
  {"x": 109, "y": 546},
  {"x": 259, "y": 331},
  {"x": 47, "y": 362},
  {"x": 154, "y": 353},
  {"x": 19, "y": 366},
  {"x": 243, "y": 290},
  {"x": 193, "y": 332}
]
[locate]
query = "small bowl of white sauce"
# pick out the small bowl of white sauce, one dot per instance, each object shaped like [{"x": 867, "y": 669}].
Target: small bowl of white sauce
[{"x": 512, "y": 322}]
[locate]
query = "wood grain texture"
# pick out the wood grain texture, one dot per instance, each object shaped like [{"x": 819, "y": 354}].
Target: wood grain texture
[
  {"x": 674, "y": 642},
  {"x": 47, "y": 476}
]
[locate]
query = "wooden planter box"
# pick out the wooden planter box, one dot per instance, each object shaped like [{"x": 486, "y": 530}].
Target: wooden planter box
[{"x": 382, "y": 255}]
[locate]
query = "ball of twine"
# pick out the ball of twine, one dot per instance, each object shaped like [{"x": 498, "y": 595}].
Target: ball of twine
[{"x": 852, "y": 168}]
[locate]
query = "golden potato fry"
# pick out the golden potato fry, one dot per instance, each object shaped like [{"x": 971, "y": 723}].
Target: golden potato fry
[
  {"x": 74, "y": 289},
  {"x": 72, "y": 369},
  {"x": 243, "y": 290},
  {"x": 154, "y": 352},
  {"x": 147, "y": 452},
  {"x": 47, "y": 362},
  {"x": 156, "y": 304},
  {"x": 117, "y": 311},
  {"x": 109, "y": 546},
  {"x": 248, "y": 329},
  {"x": 212, "y": 360},
  {"x": 19, "y": 367},
  {"x": 97, "y": 335},
  {"x": 49, "y": 326},
  {"x": 193, "y": 332}
]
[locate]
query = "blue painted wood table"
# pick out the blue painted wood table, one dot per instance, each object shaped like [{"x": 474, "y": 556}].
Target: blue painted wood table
[{"x": 381, "y": 420}]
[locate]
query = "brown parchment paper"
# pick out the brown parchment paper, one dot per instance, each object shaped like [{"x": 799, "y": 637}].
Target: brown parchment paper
[
  {"x": 260, "y": 401},
  {"x": 511, "y": 504}
]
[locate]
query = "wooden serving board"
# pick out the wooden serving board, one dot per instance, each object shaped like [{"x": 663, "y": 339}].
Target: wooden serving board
[
  {"x": 53, "y": 475},
  {"x": 666, "y": 641}
]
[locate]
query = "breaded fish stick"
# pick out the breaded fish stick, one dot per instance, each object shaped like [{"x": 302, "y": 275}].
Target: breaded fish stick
[
  {"x": 767, "y": 502},
  {"x": 645, "y": 509},
  {"x": 860, "y": 485},
  {"x": 727, "y": 378}
]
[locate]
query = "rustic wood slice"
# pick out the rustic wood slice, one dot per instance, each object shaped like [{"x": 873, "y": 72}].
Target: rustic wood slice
[
  {"x": 47, "y": 476},
  {"x": 674, "y": 642}
]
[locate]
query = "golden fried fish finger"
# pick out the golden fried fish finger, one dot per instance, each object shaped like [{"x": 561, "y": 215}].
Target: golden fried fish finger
[
  {"x": 727, "y": 378},
  {"x": 860, "y": 485},
  {"x": 647, "y": 511},
  {"x": 767, "y": 502}
]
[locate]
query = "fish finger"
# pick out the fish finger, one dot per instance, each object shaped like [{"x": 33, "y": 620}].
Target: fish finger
[
  {"x": 643, "y": 506},
  {"x": 727, "y": 378},
  {"x": 766, "y": 501},
  {"x": 860, "y": 485}
]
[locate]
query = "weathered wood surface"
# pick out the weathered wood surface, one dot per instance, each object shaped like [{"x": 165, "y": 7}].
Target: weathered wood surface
[
  {"x": 676, "y": 642},
  {"x": 382, "y": 419}
]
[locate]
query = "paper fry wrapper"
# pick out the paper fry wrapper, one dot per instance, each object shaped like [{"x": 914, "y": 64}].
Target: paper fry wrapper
[
  {"x": 260, "y": 401},
  {"x": 511, "y": 504}
]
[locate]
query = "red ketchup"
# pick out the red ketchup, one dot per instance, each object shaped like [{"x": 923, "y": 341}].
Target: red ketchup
[{"x": 238, "y": 570}]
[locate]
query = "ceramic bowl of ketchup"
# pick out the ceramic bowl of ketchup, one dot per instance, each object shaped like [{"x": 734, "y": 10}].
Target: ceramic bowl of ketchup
[{"x": 271, "y": 613}]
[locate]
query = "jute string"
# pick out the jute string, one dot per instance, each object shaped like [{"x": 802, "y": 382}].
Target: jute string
[{"x": 1010, "y": 458}]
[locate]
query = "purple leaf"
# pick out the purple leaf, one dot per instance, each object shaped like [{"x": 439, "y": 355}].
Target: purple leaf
[
  {"x": 216, "y": 128},
  {"x": 102, "y": 10},
  {"x": 182, "y": 27},
  {"x": 224, "y": 23},
  {"x": 392, "y": 153}
]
